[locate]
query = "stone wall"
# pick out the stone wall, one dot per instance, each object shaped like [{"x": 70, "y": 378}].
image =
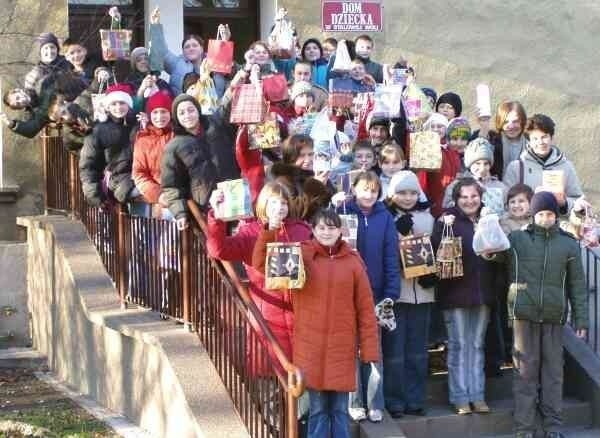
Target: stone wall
[{"x": 542, "y": 53}]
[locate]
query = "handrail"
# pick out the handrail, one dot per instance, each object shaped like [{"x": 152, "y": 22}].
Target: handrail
[{"x": 295, "y": 382}]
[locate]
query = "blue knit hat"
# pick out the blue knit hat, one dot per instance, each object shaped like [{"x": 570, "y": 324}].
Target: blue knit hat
[{"x": 543, "y": 201}]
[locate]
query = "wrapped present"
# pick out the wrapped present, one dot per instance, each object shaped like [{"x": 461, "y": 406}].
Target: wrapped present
[
  {"x": 425, "y": 151},
  {"x": 116, "y": 44},
  {"x": 387, "y": 101},
  {"x": 554, "y": 181},
  {"x": 219, "y": 56},
  {"x": 275, "y": 87},
  {"x": 489, "y": 237},
  {"x": 248, "y": 104},
  {"x": 206, "y": 95},
  {"x": 265, "y": 135},
  {"x": 493, "y": 199},
  {"x": 417, "y": 256},
  {"x": 237, "y": 204},
  {"x": 449, "y": 255},
  {"x": 349, "y": 229},
  {"x": 341, "y": 93},
  {"x": 284, "y": 267}
]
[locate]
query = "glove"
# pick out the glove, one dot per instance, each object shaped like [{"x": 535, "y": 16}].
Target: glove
[
  {"x": 404, "y": 224},
  {"x": 384, "y": 311},
  {"x": 428, "y": 281}
]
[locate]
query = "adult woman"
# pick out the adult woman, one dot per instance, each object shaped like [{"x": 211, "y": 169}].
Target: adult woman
[
  {"x": 142, "y": 79},
  {"x": 312, "y": 52},
  {"x": 465, "y": 302}
]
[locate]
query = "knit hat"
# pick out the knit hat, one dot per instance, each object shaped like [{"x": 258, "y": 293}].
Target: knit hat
[
  {"x": 118, "y": 93},
  {"x": 478, "y": 149},
  {"x": 135, "y": 53},
  {"x": 429, "y": 92},
  {"x": 543, "y": 201},
  {"x": 377, "y": 120},
  {"x": 458, "y": 127},
  {"x": 403, "y": 180},
  {"x": 48, "y": 37},
  {"x": 452, "y": 99},
  {"x": 436, "y": 118},
  {"x": 160, "y": 99},
  {"x": 301, "y": 87}
]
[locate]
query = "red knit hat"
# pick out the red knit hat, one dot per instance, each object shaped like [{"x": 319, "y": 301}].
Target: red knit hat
[{"x": 160, "y": 99}]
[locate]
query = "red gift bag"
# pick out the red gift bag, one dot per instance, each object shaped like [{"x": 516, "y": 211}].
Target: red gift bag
[
  {"x": 219, "y": 56},
  {"x": 248, "y": 104},
  {"x": 275, "y": 87}
]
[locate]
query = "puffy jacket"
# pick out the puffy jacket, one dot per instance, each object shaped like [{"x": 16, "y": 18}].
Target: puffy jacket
[
  {"x": 319, "y": 73},
  {"x": 533, "y": 168},
  {"x": 377, "y": 243},
  {"x": 545, "y": 272},
  {"x": 148, "y": 150},
  {"x": 333, "y": 315}
]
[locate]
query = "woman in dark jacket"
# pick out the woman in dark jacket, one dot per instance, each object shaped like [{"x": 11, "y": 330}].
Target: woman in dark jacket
[{"x": 465, "y": 302}]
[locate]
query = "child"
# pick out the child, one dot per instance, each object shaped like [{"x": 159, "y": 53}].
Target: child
[
  {"x": 364, "y": 156},
  {"x": 458, "y": 134},
  {"x": 332, "y": 312},
  {"x": 405, "y": 359},
  {"x": 517, "y": 215},
  {"x": 329, "y": 47},
  {"x": 363, "y": 46},
  {"x": 377, "y": 243},
  {"x": 83, "y": 64},
  {"x": 379, "y": 132},
  {"x": 361, "y": 83},
  {"x": 391, "y": 161},
  {"x": 546, "y": 271},
  {"x": 449, "y": 105}
]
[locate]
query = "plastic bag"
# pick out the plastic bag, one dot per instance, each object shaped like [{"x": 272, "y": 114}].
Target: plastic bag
[
  {"x": 342, "y": 62},
  {"x": 489, "y": 236},
  {"x": 323, "y": 128},
  {"x": 281, "y": 39},
  {"x": 387, "y": 100}
]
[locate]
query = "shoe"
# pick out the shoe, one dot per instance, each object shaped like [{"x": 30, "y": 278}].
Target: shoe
[
  {"x": 480, "y": 407},
  {"x": 396, "y": 413},
  {"x": 524, "y": 435},
  {"x": 463, "y": 409},
  {"x": 357, "y": 414},
  {"x": 554, "y": 435},
  {"x": 419, "y": 412},
  {"x": 375, "y": 415}
]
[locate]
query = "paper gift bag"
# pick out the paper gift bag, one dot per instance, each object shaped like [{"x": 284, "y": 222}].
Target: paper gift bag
[
  {"x": 416, "y": 254},
  {"x": 341, "y": 93},
  {"x": 416, "y": 104},
  {"x": 237, "y": 203},
  {"x": 302, "y": 125},
  {"x": 116, "y": 44},
  {"x": 449, "y": 255},
  {"x": 387, "y": 101},
  {"x": 265, "y": 135},
  {"x": 206, "y": 95},
  {"x": 248, "y": 104},
  {"x": 275, "y": 87},
  {"x": 284, "y": 267},
  {"x": 349, "y": 229},
  {"x": 554, "y": 181},
  {"x": 345, "y": 181},
  {"x": 493, "y": 199},
  {"x": 425, "y": 151},
  {"x": 219, "y": 55}
]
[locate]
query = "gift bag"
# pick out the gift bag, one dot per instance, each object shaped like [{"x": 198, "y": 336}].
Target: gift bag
[
  {"x": 349, "y": 229},
  {"x": 345, "y": 181},
  {"x": 489, "y": 236},
  {"x": 115, "y": 43},
  {"x": 589, "y": 230},
  {"x": 281, "y": 39},
  {"x": 248, "y": 104},
  {"x": 323, "y": 128},
  {"x": 395, "y": 76},
  {"x": 265, "y": 135},
  {"x": 98, "y": 103},
  {"x": 416, "y": 254},
  {"x": 493, "y": 199},
  {"x": 449, "y": 255},
  {"x": 219, "y": 55},
  {"x": 284, "y": 266},
  {"x": 341, "y": 93},
  {"x": 362, "y": 103},
  {"x": 342, "y": 61},
  {"x": 325, "y": 153},
  {"x": 302, "y": 125},
  {"x": 387, "y": 101},
  {"x": 275, "y": 87},
  {"x": 425, "y": 151},
  {"x": 554, "y": 181},
  {"x": 237, "y": 203},
  {"x": 206, "y": 95},
  {"x": 416, "y": 104}
]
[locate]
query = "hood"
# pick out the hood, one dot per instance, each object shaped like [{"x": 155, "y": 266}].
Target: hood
[{"x": 556, "y": 156}]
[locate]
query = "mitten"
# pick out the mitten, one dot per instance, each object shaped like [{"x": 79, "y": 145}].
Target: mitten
[
  {"x": 428, "y": 281},
  {"x": 384, "y": 311},
  {"x": 404, "y": 224}
]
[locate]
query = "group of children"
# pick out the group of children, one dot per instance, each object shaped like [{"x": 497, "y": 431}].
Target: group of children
[{"x": 359, "y": 328}]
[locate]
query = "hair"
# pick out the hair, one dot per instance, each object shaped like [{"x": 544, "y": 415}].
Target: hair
[
  {"x": 178, "y": 129},
  {"x": 540, "y": 122},
  {"x": 519, "y": 189},
  {"x": 192, "y": 36},
  {"x": 391, "y": 152},
  {"x": 70, "y": 42},
  {"x": 328, "y": 216},
  {"x": 363, "y": 144},
  {"x": 370, "y": 178},
  {"x": 272, "y": 188},
  {"x": 363, "y": 37},
  {"x": 358, "y": 61},
  {"x": 5, "y": 97},
  {"x": 465, "y": 182},
  {"x": 332, "y": 41},
  {"x": 263, "y": 44},
  {"x": 305, "y": 63},
  {"x": 189, "y": 79},
  {"x": 504, "y": 109},
  {"x": 314, "y": 41},
  {"x": 290, "y": 150}
]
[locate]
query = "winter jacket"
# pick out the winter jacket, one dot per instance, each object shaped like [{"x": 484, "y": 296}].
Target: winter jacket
[
  {"x": 334, "y": 316},
  {"x": 220, "y": 137},
  {"x": 545, "y": 272},
  {"x": 411, "y": 292},
  {"x": 434, "y": 183},
  {"x": 37, "y": 74},
  {"x": 148, "y": 150},
  {"x": 477, "y": 285},
  {"x": 187, "y": 171},
  {"x": 488, "y": 183},
  {"x": 377, "y": 243},
  {"x": 533, "y": 168},
  {"x": 319, "y": 73},
  {"x": 107, "y": 149},
  {"x": 274, "y": 306}
]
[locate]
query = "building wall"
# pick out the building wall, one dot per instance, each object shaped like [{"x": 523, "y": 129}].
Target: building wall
[{"x": 542, "y": 53}]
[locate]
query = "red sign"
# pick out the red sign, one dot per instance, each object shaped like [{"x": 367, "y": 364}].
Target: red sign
[{"x": 352, "y": 16}]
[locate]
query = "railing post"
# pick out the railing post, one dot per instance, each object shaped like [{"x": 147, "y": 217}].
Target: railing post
[
  {"x": 45, "y": 139},
  {"x": 187, "y": 276},
  {"x": 122, "y": 259},
  {"x": 72, "y": 185}
]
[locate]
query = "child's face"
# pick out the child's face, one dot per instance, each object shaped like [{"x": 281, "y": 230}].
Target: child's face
[
  {"x": 188, "y": 115},
  {"x": 363, "y": 48},
  {"x": 118, "y": 109},
  {"x": 406, "y": 199},
  {"x": 439, "y": 128},
  {"x": 261, "y": 54},
  {"x": 48, "y": 53},
  {"x": 447, "y": 110},
  {"x": 328, "y": 50},
  {"x": 378, "y": 134},
  {"x": 302, "y": 73},
  {"x": 276, "y": 207},
  {"x": 303, "y": 101},
  {"x": 160, "y": 117},
  {"x": 480, "y": 169},
  {"x": 305, "y": 158},
  {"x": 18, "y": 99},
  {"x": 76, "y": 54},
  {"x": 364, "y": 159},
  {"x": 389, "y": 166},
  {"x": 326, "y": 235},
  {"x": 357, "y": 72},
  {"x": 366, "y": 194},
  {"x": 540, "y": 142},
  {"x": 545, "y": 219},
  {"x": 518, "y": 206},
  {"x": 311, "y": 52},
  {"x": 512, "y": 125},
  {"x": 458, "y": 144}
]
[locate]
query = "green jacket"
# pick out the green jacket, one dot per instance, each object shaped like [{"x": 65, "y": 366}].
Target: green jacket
[{"x": 545, "y": 272}]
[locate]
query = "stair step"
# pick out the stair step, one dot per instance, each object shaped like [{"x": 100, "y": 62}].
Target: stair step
[
  {"x": 442, "y": 421},
  {"x": 22, "y": 358},
  {"x": 573, "y": 432},
  {"x": 496, "y": 388}
]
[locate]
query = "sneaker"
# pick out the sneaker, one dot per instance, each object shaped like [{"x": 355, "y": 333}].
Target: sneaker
[
  {"x": 481, "y": 407},
  {"x": 463, "y": 409},
  {"x": 375, "y": 415},
  {"x": 357, "y": 414},
  {"x": 419, "y": 412}
]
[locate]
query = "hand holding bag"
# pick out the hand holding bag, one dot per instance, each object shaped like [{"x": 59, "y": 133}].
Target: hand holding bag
[
  {"x": 449, "y": 255},
  {"x": 115, "y": 42},
  {"x": 489, "y": 237}
]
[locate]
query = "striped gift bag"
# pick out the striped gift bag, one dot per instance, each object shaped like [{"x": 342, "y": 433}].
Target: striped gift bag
[{"x": 248, "y": 104}]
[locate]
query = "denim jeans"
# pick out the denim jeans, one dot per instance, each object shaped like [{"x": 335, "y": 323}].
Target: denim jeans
[
  {"x": 405, "y": 358},
  {"x": 328, "y": 416},
  {"x": 369, "y": 385},
  {"x": 466, "y": 334}
]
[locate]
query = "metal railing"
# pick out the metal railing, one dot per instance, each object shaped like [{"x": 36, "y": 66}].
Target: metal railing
[
  {"x": 591, "y": 264},
  {"x": 156, "y": 266}
]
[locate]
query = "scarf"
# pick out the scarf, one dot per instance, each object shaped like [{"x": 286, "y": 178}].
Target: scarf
[{"x": 508, "y": 146}]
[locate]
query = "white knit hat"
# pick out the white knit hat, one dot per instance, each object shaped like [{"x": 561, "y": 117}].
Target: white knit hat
[
  {"x": 403, "y": 180},
  {"x": 435, "y": 118},
  {"x": 117, "y": 96}
]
